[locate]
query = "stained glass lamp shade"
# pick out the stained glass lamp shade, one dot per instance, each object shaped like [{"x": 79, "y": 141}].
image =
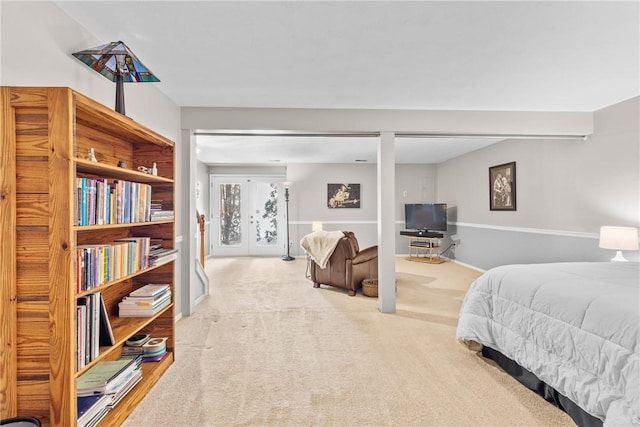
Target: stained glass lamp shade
[{"x": 116, "y": 62}]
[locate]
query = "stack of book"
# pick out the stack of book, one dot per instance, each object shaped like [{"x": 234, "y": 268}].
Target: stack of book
[
  {"x": 133, "y": 346},
  {"x": 159, "y": 255},
  {"x": 146, "y": 301},
  {"x": 154, "y": 349},
  {"x": 158, "y": 213},
  {"x": 92, "y": 409},
  {"x": 150, "y": 349},
  {"x": 111, "y": 378}
]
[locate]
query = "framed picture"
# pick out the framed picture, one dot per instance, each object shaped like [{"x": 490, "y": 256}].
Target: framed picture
[
  {"x": 502, "y": 187},
  {"x": 343, "y": 196}
]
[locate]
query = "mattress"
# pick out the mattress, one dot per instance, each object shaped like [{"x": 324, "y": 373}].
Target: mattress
[{"x": 573, "y": 325}]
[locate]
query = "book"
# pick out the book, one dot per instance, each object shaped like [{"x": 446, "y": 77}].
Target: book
[
  {"x": 160, "y": 260},
  {"x": 150, "y": 290},
  {"x": 154, "y": 350},
  {"x": 133, "y": 346},
  {"x": 92, "y": 409},
  {"x": 131, "y": 351},
  {"x": 141, "y": 311},
  {"x": 90, "y": 326},
  {"x": 102, "y": 378},
  {"x": 146, "y": 301},
  {"x": 127, "y": 386},
  {"x": 154, "y": 358},
  {"x": 137, "y": 340},
  {"x": 106, "y": 332},
  {"x": 81, "y": 332},
  {"x": 155, "y": 344}
]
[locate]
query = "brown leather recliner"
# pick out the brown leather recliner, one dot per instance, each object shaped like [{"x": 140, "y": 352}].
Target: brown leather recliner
[{"x": 347, "y": 266}]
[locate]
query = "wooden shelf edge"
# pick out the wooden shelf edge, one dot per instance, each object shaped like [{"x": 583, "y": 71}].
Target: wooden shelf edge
[
  {"x": 103, "y": 169},
  {"x": 115, "y": 282},
  {"x": 104, "y": 114},
  {"x": 81, "y": 228},
  {"x": 151, "y": 373}
]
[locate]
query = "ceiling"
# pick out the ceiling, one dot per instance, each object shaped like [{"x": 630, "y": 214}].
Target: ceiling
[{"x": 454, "y": 55}]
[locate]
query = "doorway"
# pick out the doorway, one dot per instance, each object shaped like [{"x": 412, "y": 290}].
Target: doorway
[{"x": 247, "y": 213}]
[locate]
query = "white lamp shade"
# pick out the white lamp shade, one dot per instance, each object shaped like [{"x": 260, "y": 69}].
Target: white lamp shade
[
  {"x": 619, "y": 238},
  {"x": 316, "y": 226}
]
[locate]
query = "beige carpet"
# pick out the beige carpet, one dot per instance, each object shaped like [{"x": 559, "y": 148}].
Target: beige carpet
[{"x": 267, "y": 349}]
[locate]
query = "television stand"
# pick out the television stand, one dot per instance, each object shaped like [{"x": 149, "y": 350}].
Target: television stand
[
  {"x": 427, "y": 249},
  {"x": 422, "y": 233}
]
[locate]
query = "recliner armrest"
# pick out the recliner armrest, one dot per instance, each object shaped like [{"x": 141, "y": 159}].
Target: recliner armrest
[{"x": 366, "y": 255}]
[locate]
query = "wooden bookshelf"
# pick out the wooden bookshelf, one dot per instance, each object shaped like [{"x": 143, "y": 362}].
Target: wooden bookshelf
[{"x": 46, "y": 135}]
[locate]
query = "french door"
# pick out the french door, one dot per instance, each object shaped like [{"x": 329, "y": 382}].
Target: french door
[{"x": 247, "y": 213}]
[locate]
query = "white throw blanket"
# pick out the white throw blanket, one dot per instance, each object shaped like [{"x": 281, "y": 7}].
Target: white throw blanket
[{"x": 320, "y": 245}]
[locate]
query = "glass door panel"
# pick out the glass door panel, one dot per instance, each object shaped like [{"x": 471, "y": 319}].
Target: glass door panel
[
  {"x": 248, "y": 212},
  {"x": 230, "y": 219},
  {"x": 264, "y": 224}
]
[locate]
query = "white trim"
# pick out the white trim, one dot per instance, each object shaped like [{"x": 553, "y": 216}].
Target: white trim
[
  {"x": 332, "y": 222},
  {"x": 280, "y": 176},
  {"x": 199, "y": 300},
  {"x": 464, "y": 264},
  {"x": 472, "y": 267},
  {"x": 564, "y": 233}
]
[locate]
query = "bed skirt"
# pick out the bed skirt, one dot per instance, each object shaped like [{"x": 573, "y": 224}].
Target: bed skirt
[{"x": 529, "y": 380}]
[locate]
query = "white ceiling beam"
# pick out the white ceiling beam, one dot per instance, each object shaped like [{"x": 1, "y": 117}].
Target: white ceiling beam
[{"x": 443, "y": 123}]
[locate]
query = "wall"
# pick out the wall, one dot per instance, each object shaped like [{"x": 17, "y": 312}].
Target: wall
[
  {"x": 308, "y": 197},
  {"x": 366, "y": 120},
  {"x": 36, "y": 43},
  {"x": 566, "y": 190},
  {"x": 37, "y": 40},
  {"x": 308, "y": 200}
]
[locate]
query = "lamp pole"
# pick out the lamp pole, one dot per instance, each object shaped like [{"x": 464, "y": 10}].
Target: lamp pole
[
  {"x": 287, "y": 257},
  {"x": 120, "y": 84}
]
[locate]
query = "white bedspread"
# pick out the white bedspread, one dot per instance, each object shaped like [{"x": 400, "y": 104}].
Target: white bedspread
[{"x": 574, "y": 325}]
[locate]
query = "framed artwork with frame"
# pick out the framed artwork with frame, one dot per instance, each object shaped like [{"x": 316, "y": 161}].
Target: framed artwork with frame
[
  {"x": 340, "y": 196},
  {"x": 502, "y": 187}
]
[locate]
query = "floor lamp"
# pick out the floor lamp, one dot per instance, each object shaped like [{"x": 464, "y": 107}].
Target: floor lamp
[{"x": 286, "y": 186}]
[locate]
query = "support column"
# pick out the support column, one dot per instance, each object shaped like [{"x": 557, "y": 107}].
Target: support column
[
  {"x": 386, "y": 223},
  {"x": 185, "y": 214}
]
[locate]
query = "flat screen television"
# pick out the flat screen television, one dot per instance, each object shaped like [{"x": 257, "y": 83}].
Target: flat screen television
[{"x": 425, "y": 216}]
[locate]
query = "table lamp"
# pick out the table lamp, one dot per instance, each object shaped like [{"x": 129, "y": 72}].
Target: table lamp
[
  {"x": 619, "y": 239},
  {"x": 116, "y": 62}
]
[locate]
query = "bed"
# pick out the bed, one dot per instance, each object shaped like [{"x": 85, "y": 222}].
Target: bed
[{"x": 572, "y": 326}]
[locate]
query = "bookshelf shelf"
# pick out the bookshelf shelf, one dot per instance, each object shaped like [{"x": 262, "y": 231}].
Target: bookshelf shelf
[
  {"x": 91, "y": 228},
  {"x": 123, "y": 328},
  {"x": 105, "y": 170},
  {"x": 106, "y": 286},
  {"x": 151, "y": 373},
  {"x": 47, "y": 133}
]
